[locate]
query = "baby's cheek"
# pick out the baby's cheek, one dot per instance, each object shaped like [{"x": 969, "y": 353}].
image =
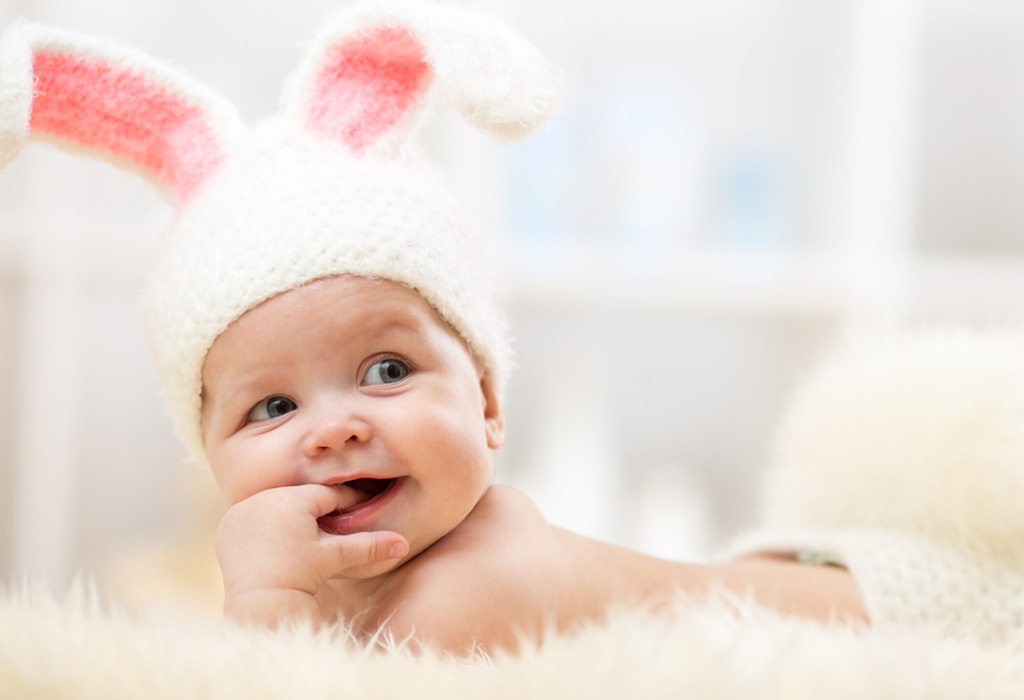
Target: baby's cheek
[
  {"x": 453, "y": 446},
  {"x": 240, "y": 476},
  {"x": 470, "y": 468},
  {"x": 230, "y": 488}
]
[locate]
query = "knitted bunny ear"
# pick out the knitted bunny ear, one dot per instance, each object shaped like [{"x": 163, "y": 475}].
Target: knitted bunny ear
[
  {"x": 115, "y": 102},
  {"x": 365, "y": 77}
]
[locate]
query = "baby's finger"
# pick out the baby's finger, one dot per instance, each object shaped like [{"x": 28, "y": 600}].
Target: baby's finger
[
  {"x": 345, "y": 553},
  {"x": 327, "y": 499}
]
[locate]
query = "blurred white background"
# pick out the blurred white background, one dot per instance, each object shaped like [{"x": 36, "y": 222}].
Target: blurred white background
[{"x": 729, "y": 182}]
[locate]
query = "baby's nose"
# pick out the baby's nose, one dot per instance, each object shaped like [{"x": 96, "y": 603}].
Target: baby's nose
[{"x": 334, "y": 431}]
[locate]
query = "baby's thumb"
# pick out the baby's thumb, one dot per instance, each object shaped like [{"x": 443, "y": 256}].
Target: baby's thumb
[{"x": 349, "y": 552}]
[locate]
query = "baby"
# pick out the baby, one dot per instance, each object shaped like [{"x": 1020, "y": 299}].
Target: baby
[
  {"x": 322, "y": 325},
  {"x": 352, "y": 433}
]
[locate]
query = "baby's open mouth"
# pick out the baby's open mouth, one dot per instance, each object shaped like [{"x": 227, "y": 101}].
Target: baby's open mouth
[
  {"x": 358, "y": 501},
  {"x": 363, "y": 492},
  {"x": 367, "y": 490}
]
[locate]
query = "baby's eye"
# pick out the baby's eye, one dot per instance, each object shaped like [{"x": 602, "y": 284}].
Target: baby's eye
[
  {"x": 386, "y": 372},
  {"x": 272, "y": 407}
]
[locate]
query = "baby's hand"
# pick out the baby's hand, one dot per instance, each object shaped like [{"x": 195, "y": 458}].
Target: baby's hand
[{"x": 274, "y": 558}]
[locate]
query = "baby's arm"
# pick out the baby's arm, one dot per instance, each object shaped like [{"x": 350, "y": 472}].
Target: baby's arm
[
  {"x": 274, "y": 558},
  {"x": 791, "y": 587}
]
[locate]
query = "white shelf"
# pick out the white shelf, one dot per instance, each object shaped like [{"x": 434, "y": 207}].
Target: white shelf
[
  {"x": 705, "y": 281},
  {"x": 806, "y": 283}
]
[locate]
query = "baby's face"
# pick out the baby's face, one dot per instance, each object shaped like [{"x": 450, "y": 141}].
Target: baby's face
[{"x": 358, "y": 385}]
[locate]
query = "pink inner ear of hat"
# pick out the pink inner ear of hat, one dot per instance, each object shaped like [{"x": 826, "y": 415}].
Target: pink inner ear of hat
[
  {"x": 366, "y": 85},
  {"x": 119, "y": 111}
]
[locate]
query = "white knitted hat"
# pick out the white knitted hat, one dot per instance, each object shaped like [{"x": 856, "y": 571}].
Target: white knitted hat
[{"x": 329, "y": 186}]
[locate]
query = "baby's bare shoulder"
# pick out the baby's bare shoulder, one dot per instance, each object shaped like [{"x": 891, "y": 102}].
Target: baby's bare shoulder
[
  {"x": 504, "y": 536},
  {"x": 479, "y": 581}
]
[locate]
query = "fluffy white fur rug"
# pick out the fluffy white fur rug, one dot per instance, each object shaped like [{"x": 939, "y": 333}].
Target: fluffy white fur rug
[{"x": 78, "y": 649}]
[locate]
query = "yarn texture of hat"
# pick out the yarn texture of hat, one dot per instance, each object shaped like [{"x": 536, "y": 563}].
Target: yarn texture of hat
[{"x": 330, "y": 185}]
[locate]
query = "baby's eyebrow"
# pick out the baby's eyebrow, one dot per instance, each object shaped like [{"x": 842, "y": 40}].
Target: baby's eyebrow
[
  {"x": 406, "y": 324},
  {"x": 245, "y": 390}
]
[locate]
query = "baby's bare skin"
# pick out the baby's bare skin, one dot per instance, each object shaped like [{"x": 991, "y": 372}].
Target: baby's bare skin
[{"x": 505, "y": 575}]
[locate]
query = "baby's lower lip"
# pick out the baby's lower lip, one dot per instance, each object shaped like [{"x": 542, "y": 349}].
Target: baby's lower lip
[{"x": 354, "y": 519}]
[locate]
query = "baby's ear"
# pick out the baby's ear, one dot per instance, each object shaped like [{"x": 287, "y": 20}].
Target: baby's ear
[
  {"x": 366, "y": 76},
  {"x": 494, "y": 419}
]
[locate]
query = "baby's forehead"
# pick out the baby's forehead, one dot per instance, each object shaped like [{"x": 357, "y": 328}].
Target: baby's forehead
[
  {"x": 373, "y": 287},
  {"x": 350, "y": 306},
  {"x": 366, "y": 300}
]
